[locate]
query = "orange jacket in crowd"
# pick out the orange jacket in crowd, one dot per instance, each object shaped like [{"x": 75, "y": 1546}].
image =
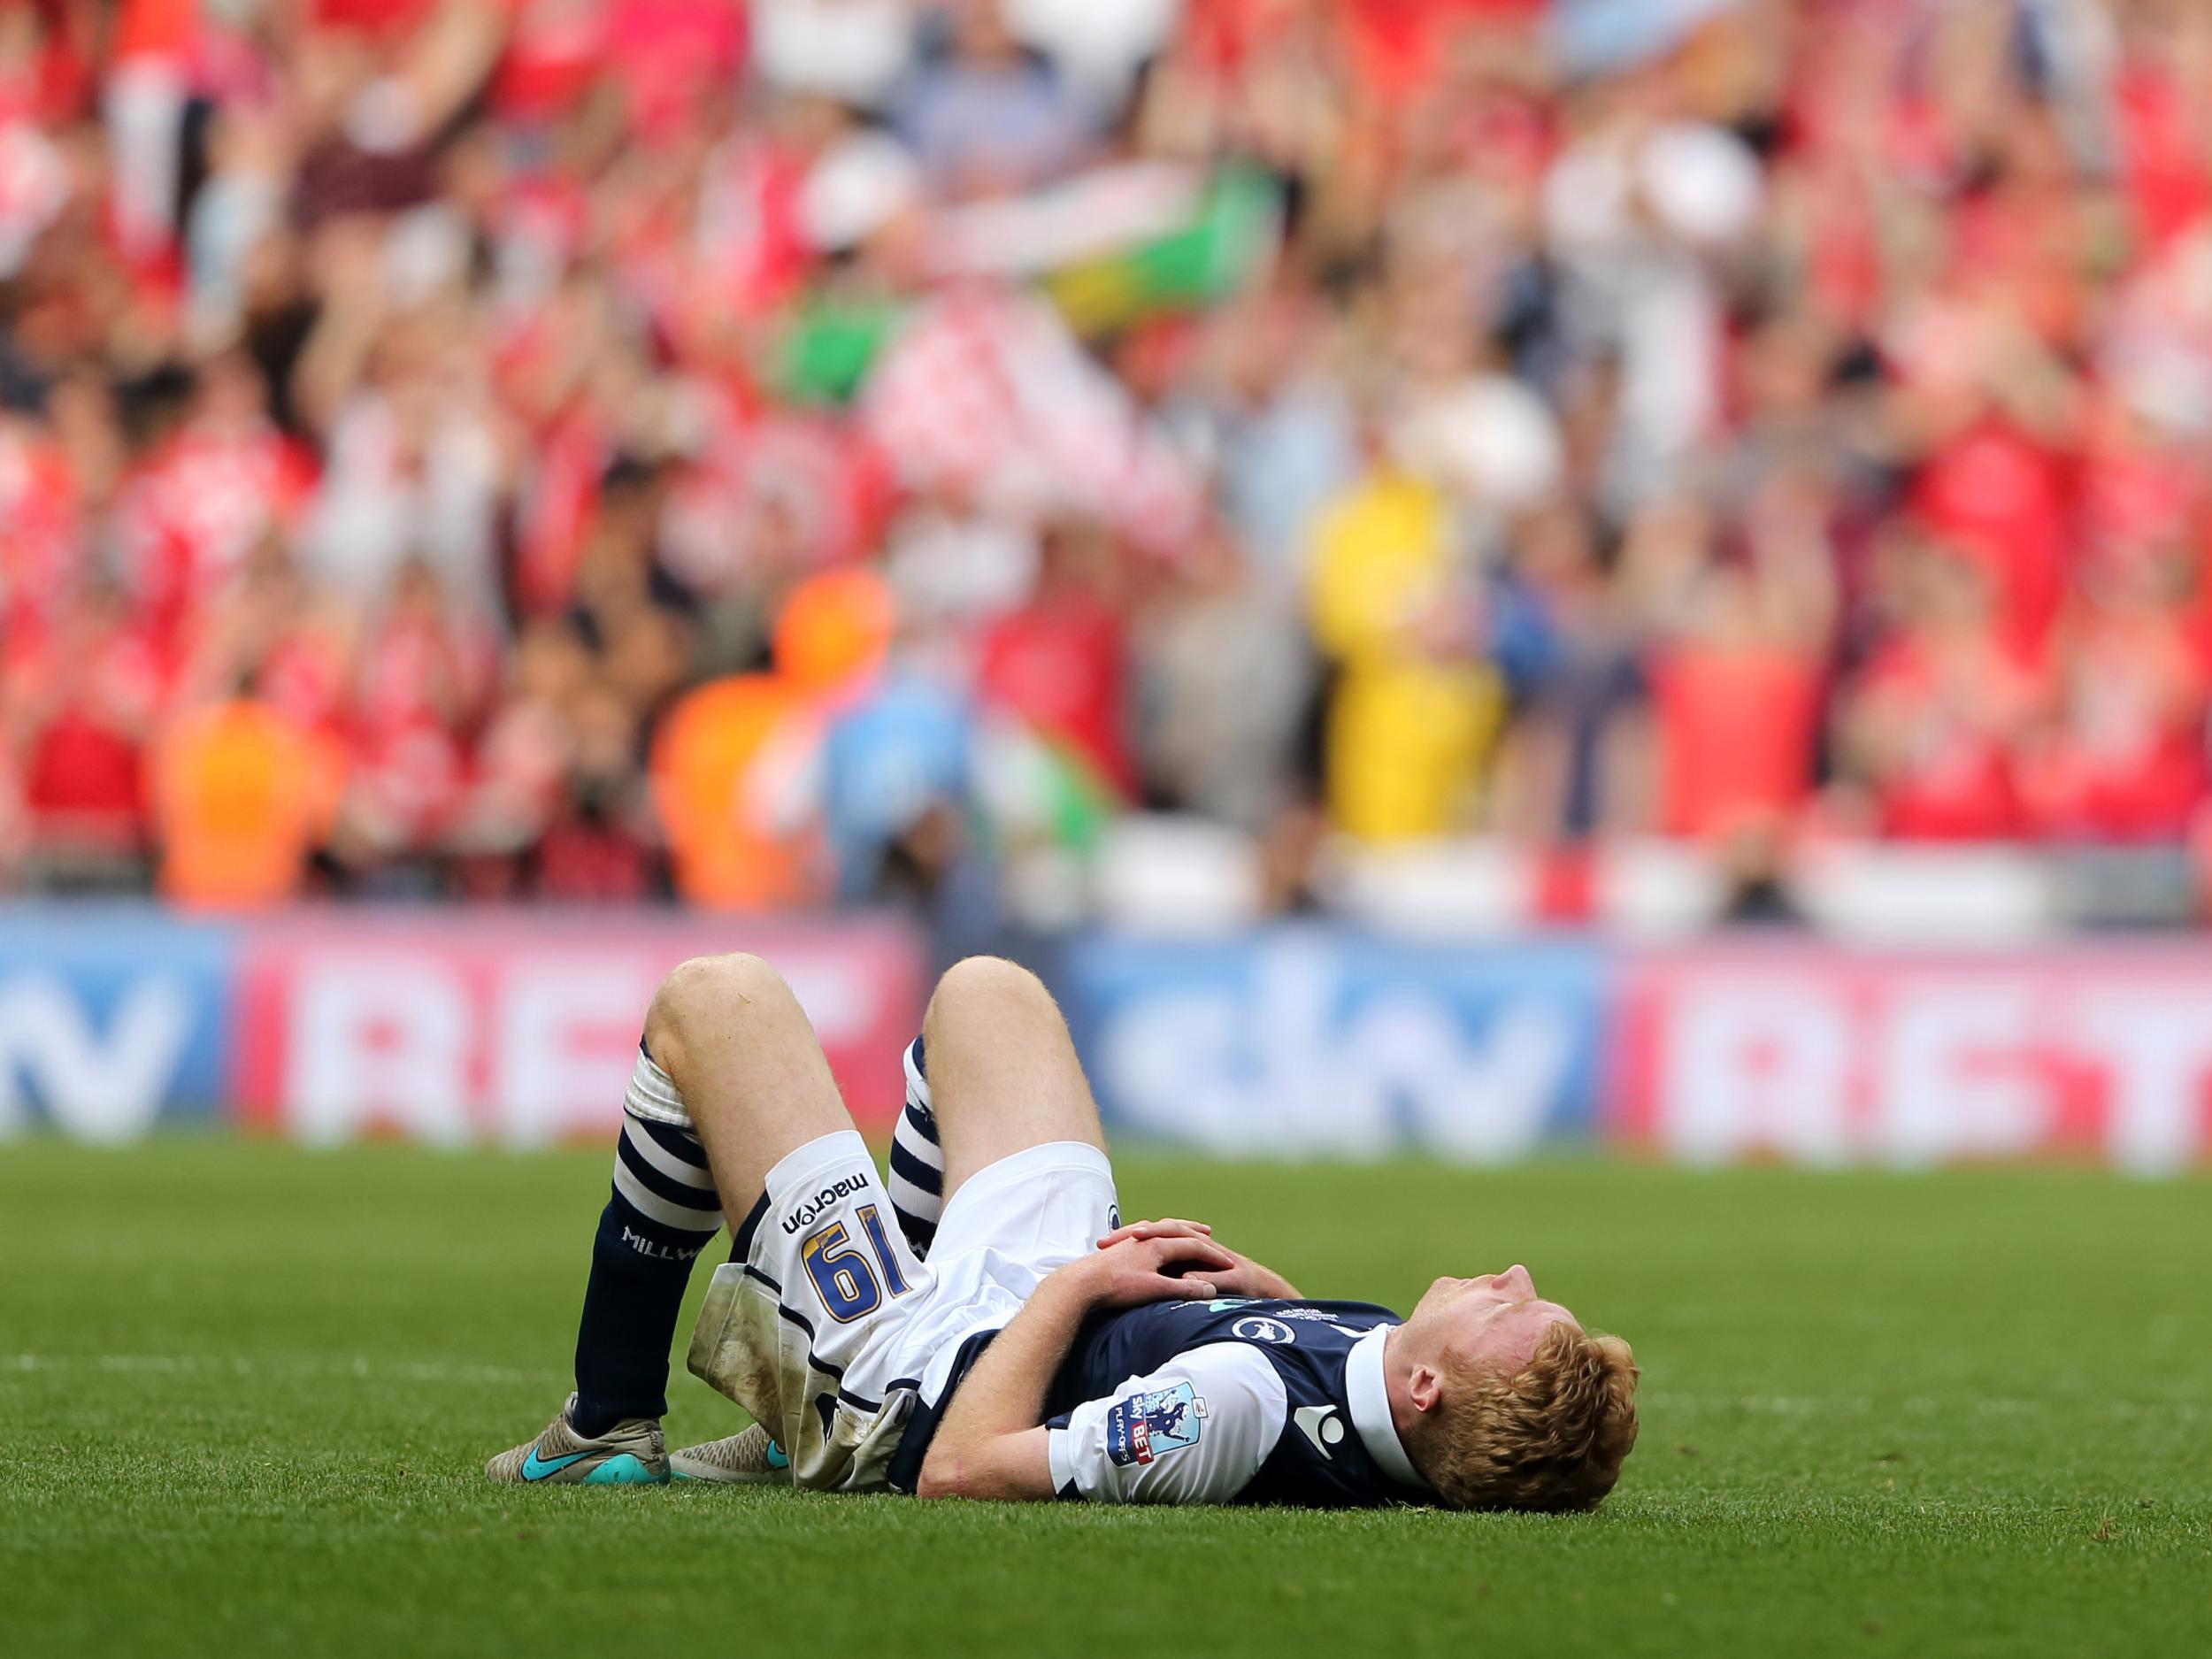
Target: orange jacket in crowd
[{"x": 241, "y": 796}]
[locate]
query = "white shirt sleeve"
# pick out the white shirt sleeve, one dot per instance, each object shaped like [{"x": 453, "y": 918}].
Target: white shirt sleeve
[{"x": 1195, "y": 1431}]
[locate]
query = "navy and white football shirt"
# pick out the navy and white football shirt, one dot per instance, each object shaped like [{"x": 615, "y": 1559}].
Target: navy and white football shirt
[{"x": 1231, "y": 1402}]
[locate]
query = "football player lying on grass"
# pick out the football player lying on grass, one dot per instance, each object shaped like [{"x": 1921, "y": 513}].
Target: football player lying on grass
[{"x": 983, "y": 1325}]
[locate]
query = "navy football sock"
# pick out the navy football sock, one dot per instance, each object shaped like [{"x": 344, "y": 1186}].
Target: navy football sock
[
  {"x": 917, "y": 1163},
  {"x": 662, "y": 1213}
]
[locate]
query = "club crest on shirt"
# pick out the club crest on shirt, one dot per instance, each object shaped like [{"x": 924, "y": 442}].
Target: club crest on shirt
[{"x": 1147, "y": 1427}]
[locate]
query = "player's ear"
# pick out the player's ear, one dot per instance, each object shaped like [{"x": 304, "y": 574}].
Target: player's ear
[{"x": 1425, "y": 1387}]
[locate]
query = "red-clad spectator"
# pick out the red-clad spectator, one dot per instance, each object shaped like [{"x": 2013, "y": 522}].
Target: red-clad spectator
[
  {"x": 672, "y": 57},
  {"x": 556, "y": 49},
  {"x": 90, "y": 699},
  {"x": 420, "y": 685},
  {"x": 1401, "y": 46},
  {"x": 2140, "y": 488},
  {"x": 2158, "y": 126},
  {"x": 214, "y": 490},
  {"x": 413, "y": 463},
  {"x": 1738, "y": 711},
  {"x": 46, "y": 60},
  {"x": 1737, "y": 686},
  {"x": 771, "y": 500},
  {"x": 2022, "y": 234},
  {"x": 1056, "y": 662},
  {"x": 523, "y": 758},
  {"x": 748, "y": 252},
  {"x": 1737, "y": 722},
  {"x": 556, "y": 497},
  {"x": 1994, "y": 495},
  {"x": 598, "y": 848},
  {"x": 271, "y": 630},
  {"x": 38, "y": 536},
  {"x": 2123, "y": 757},
  {"x": 1992, "y": 411},
  {"x": 539, "y": 223},
  {"x": 1933, "y": 726}
]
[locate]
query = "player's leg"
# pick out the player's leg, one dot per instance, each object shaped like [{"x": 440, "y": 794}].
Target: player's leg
[
  {"x": 1003, "y": 1072},
  {"x": 1014, "y": 1151},
  {"x": 730, "y": 1078},
  {"x": 748, "y": 1070},
  {"x": 994, "y": 1029}
]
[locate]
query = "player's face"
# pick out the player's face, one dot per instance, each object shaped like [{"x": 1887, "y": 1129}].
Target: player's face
[{"x": 1492, "y": 1318}]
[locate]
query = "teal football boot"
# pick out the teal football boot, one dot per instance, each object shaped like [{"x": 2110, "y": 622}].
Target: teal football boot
[
  {"x": 630, "y": 1454},
  {"x": 747, "y": 1458}
]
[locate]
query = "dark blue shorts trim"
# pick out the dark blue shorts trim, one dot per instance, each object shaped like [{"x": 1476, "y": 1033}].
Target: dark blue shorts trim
[{"x": 905, "y": 1163}]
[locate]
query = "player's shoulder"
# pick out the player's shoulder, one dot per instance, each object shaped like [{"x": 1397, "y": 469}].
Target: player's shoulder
[
  {"x": 1228, "y": 1388},
  {"x": 1233, "y": 1365}
]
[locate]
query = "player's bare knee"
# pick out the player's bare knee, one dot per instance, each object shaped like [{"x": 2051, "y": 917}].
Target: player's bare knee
[
  {"x": 705, "y": 992},
  {"x": 985, "y": 985}
]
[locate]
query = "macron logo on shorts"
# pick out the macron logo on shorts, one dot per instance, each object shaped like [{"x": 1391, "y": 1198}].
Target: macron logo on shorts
[{"x": 823, "y": 1202}]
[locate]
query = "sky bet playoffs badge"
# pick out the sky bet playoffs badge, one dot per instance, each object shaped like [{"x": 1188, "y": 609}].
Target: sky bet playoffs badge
[{"x": 1149, "y": 1426}]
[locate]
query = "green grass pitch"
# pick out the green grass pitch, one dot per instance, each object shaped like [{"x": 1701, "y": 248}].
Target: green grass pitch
[{"x": 245, "y": 1392}]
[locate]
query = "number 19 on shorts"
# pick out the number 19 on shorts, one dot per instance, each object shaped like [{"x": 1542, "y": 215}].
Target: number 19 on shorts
[{"x": 851, "y": 1286}]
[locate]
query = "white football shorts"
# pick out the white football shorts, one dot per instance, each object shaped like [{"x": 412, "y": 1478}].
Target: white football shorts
[{"x": 828, "y": 1330}]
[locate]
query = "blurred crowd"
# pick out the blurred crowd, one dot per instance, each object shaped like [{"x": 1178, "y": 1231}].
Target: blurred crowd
[{"x": 802, "y": 450}]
